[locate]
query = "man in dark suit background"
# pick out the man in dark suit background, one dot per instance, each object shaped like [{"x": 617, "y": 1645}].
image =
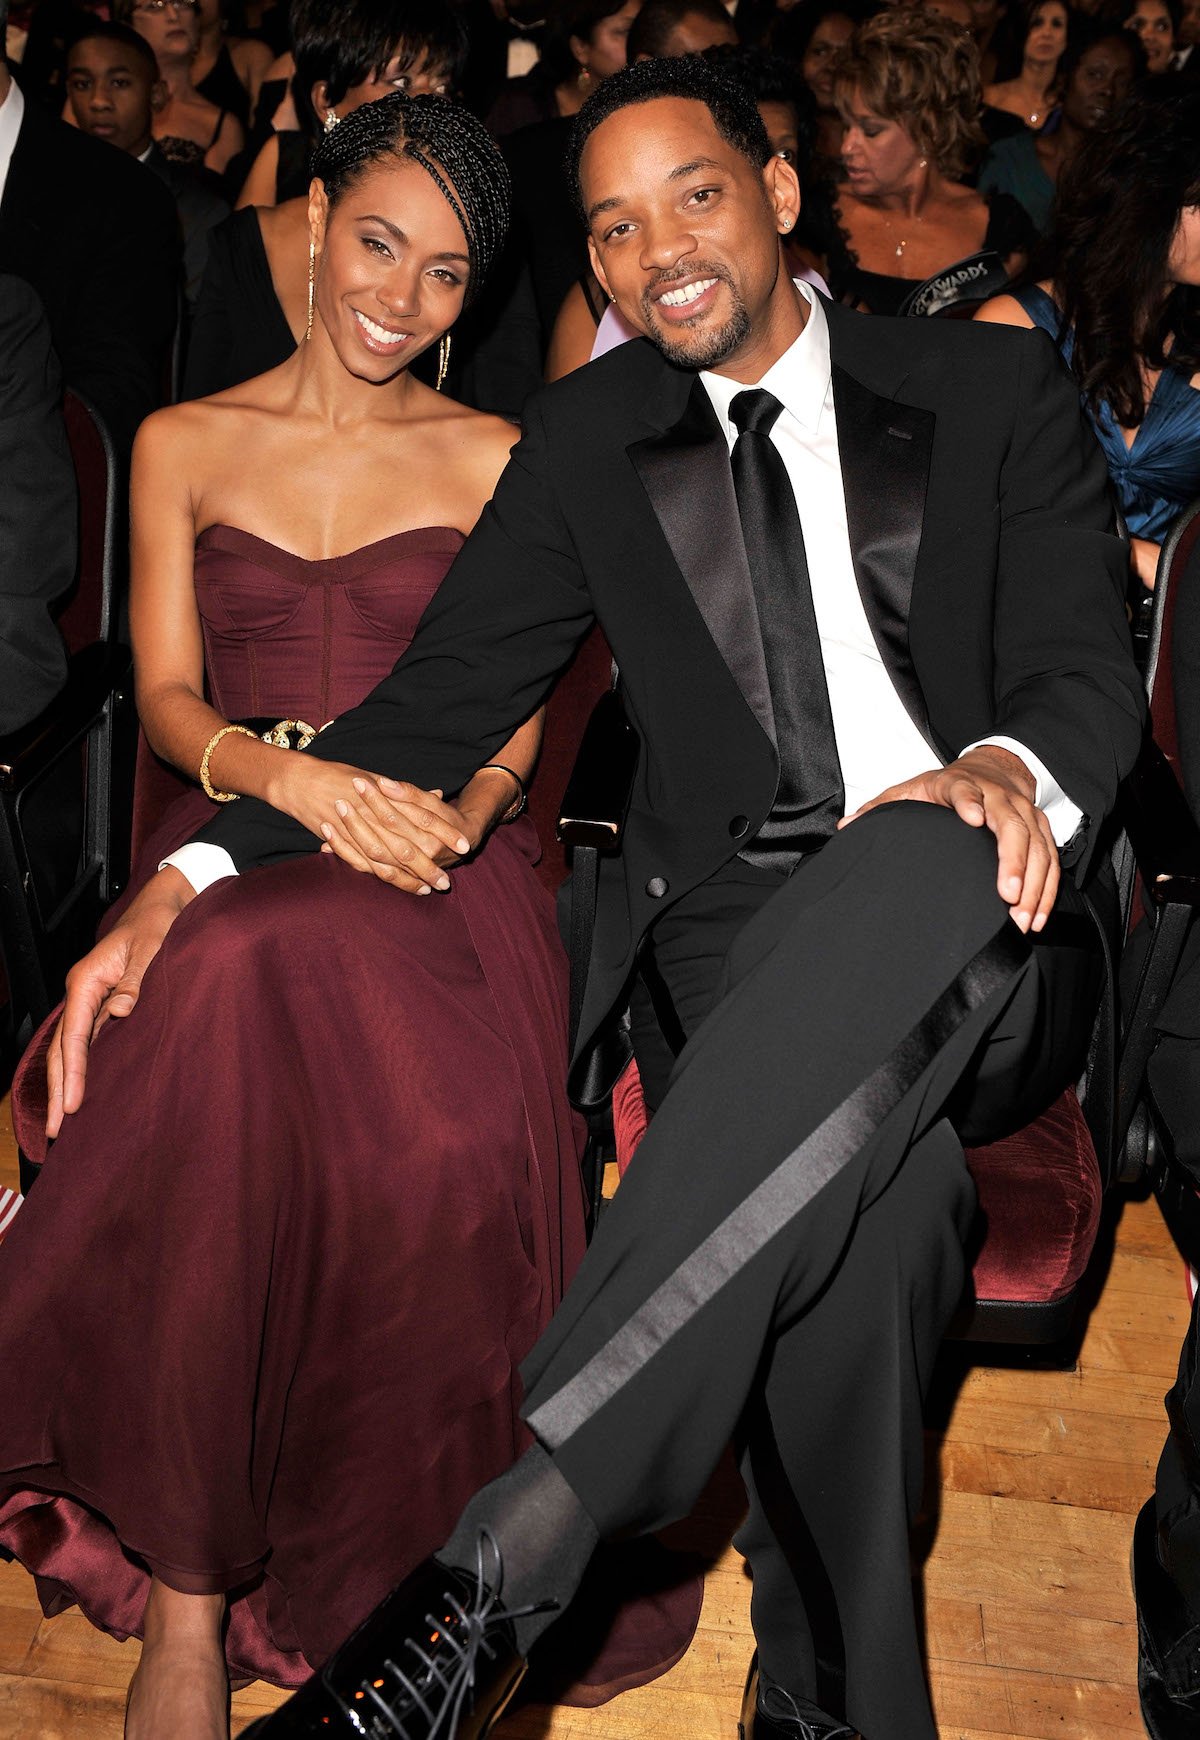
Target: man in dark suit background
[
  {"x": 97, "y": 239},
  {"x": 37, "y": 508},
  {"x": 862, "y": 585},
  {"x": 114, "y": 87}
]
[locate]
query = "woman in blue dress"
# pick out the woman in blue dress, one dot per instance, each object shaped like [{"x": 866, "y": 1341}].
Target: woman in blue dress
[{"x": 1123, "y": 303}]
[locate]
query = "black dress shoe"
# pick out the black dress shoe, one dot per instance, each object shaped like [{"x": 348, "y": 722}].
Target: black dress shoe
[
  {"x": 770, "y": 1713},
  {"x": 1168, "y": 1642},
  {"x": 437, "y": 1660}
]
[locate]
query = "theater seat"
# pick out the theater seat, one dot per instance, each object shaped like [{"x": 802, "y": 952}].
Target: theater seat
[{"x": 1039, "y": 1212}]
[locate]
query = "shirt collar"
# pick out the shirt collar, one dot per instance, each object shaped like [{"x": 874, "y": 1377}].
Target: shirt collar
[
  {"x": 11, "y": 111},
  {"x": 800, "y": 378}
]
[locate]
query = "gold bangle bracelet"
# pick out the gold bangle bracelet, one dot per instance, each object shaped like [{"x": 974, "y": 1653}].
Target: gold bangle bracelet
[{"x": 220, "y": 797}]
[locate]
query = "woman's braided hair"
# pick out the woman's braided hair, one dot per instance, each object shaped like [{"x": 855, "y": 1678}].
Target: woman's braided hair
[{"x": 449, "y": 144}]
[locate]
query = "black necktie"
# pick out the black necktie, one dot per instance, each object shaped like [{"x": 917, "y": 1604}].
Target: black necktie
[{"x": 810, "y": 797}]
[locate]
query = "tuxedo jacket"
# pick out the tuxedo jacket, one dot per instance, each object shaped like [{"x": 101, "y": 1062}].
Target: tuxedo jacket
[
  {"x": 980, "y": 530},
  {"x": 98, "y": 239},
  {"x": 37, "y": 508}
]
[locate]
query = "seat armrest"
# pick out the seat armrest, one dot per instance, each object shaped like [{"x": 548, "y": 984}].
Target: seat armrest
[
  {"x": 1162, "y": 830},
  {"x": 596, "y": 800},
  {"x": 92, "y": 674}
]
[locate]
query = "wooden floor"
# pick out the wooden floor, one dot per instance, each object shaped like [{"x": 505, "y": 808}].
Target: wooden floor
[{"x": 1029, "y": 1616}]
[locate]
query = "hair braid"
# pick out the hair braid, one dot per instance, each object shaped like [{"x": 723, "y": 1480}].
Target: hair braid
[{"x": 453, "y": 148}]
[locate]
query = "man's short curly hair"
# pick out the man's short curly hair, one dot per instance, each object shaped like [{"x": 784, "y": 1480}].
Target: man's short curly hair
[
  {"x": 734, "y": 111},
  {"x": 921, "y": 71}
]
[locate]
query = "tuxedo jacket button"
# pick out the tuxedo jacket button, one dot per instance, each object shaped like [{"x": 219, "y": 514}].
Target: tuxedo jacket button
[
  {"x": 657, "y": 887},
  {"x": 738, "y": 827}
]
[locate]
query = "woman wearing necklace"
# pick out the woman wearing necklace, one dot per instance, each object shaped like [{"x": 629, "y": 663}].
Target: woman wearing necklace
[
  {"x": 1098, "y": 70},
  {"x": 1029, "y": 90},
  {"x": 1123, "y": 303},
  {"x": 908, "y": 235},
  {"x": 188, "y": 128}
]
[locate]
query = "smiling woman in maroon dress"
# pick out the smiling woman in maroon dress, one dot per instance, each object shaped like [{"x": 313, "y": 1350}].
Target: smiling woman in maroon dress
[{"x": 264, "y": 1310}]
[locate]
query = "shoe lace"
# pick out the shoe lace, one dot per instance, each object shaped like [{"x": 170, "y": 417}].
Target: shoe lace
[
  {"x": 786, "y": 1709},
  {"x": 439, "y": 1679}
]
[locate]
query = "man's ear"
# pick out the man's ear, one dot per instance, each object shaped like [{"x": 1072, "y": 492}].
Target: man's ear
[
  {"x": 598, "y": 269},
  {"x": 783, "y": 192},
  {"x": 159, "y": 96}
]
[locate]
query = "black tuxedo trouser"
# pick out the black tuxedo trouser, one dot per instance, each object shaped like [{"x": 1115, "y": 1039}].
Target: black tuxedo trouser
[{"x": 786, "y": 1250}]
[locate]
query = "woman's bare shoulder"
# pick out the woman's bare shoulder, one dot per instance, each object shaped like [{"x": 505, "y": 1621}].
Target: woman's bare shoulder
[{"x": 1003, "y": 311}]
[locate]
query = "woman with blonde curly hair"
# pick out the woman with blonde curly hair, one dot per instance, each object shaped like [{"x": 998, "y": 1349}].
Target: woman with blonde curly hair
[{"x": 909, "y": 237}]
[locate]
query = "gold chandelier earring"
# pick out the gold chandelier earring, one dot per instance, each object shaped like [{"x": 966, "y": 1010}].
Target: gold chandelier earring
[
  {"x": 312, "y": 286},
  {"x": 443, "y": 360}
]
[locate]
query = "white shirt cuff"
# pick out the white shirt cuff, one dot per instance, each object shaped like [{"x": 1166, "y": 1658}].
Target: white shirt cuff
[
  {"x": 201, "y": 864},
  {"x": 1063, "y": 816}
]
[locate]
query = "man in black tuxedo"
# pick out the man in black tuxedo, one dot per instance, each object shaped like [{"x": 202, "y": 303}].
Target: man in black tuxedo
[
  {"x": 862, "y": 585},
  {"x": 97, "y": 238},
  {"x": 37, "y": 508}
]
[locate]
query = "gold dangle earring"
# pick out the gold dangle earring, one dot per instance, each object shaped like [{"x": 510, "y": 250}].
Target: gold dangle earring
[
  {"x": 443, "y": 360},
  {"x": 312, "y": 286}
]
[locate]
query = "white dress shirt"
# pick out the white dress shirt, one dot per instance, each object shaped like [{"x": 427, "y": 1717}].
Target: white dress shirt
[
  {"x": 11, "y": 111},
  {"x": 878, "y": 744}
]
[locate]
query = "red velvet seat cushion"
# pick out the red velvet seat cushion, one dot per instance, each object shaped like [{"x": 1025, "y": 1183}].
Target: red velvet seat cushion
[{"x": 1039, "y": 1197}]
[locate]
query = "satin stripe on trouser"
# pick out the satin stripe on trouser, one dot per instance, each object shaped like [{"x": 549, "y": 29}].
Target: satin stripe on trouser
[{"x": 857, "y": 1001}]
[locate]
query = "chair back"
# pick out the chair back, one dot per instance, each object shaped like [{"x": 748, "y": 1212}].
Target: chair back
[
  {"x": 156, "y": 785},
  {"x": 86, "y": 615},
  {"x": 1180, "y": 555}
]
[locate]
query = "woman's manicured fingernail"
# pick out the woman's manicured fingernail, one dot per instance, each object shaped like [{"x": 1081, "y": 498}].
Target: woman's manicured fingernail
[
  {"x": 327, "y": 830},
  {"x": 462, "y": 844},
  {"x": 342, "y": 807},
  {"x": 389, "y": 784},
  {"x": 360, "y": 786},
  {"x": 442, "y": 883},
  {"x": 424, "y": 889}
]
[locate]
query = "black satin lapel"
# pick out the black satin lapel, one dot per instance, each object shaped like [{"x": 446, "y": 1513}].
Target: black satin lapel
[
  {"x": 885, "y": 448},
  {"x": 686, "y": 474}
]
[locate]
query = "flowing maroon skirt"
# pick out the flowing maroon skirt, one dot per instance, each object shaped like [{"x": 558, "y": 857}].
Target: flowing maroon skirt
[{"x": 262, "y": 1316}]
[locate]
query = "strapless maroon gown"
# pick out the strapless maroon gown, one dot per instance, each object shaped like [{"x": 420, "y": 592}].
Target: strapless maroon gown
[{"x": 261, "y": 1318}]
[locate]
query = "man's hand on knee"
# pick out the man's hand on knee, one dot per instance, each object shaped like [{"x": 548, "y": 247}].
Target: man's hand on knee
[
  {"x": 107, "y": 982},
  {"x": 992, "y": 788}
]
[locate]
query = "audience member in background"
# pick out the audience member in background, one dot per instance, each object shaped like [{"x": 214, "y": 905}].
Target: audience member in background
[
  {"x": 584, "y": 43},
  {"x": 987, "y": 19},
  {"x": 1029, "y": 88},
  {"x": 113, "y": 89},
  {"x": 588, "y": 324},
  {"x": 812, "y": 37},
  {"x": 505, "y": 38},
  {"x": 665, "y": 28},
  {"x": 370, "y": 1087},
  {"x": 953, "y": 11},
  {"x": 908, "y": 91},
  {"x": 1156, "y": 22},
  {"x": 98, "y": 239},
  {"x": 189, "y": 128},
  {"x": 37, "y": 508},
  {"x": 1098, "y": 70},
  {"x": 1186, "y": 38},
  {"x": 253, "y": 305},
  {"x": 228, "y": 70},
  {"x": 1123, "y": 302},
  {"x": 349, "y": 52}
]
